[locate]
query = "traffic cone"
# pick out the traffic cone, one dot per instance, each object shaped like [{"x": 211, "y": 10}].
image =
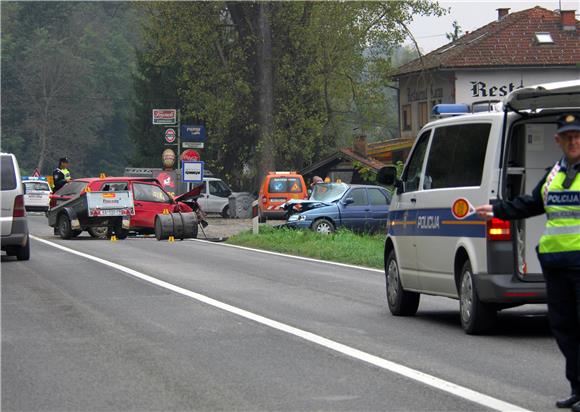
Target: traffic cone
[
  {"x": 171, "y": 239},
  {"x": 113, "y": 238},
  {"x": 102, "y": 176},
  {"x": 165, "y": 211}
]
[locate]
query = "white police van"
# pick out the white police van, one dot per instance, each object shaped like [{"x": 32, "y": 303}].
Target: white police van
[{"x": 435, "y": 244}]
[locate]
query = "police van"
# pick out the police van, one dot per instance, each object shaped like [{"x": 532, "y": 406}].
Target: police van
[{"x": 436, "y": 244}]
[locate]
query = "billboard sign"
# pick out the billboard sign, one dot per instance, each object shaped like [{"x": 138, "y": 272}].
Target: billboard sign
[
  {"x": 164, "y": 116},
  {"x": 192, "y": 133}
]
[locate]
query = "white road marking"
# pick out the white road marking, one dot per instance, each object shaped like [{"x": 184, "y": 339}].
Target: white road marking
[
  {"x": 268, "y": 252},
  {"x": 430, "y": 380}
]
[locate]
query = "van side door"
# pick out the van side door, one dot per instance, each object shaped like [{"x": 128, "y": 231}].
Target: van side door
[
  {"x": 454, "y": 169},
  {"x": 403, "y": 213}
]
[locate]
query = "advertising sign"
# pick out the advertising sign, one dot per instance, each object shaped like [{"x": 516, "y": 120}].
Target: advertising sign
[
  {"x": 192, "y": 145},
  {"x": 192, "y": 172},
  {"x": 167, "y": 179},
  {"x": 192, "y": 133},
  {"x": 190, "y": 155},
  {"x": 170, "y": 135},
  {"x": 164, "y": 116}
]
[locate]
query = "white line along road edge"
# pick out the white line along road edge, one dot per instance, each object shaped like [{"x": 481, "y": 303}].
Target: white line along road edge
[
  {"x": 268, "y": 252},
  {"x": 405, "y": 371}
]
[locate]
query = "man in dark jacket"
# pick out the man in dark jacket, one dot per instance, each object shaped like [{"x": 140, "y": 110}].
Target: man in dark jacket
[
  {"x": 61, "y": 174},
  {"x": 557, "y": 195}
]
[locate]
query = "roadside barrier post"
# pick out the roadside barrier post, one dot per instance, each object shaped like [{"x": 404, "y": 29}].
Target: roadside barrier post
[{"x": 255, "y": 218}]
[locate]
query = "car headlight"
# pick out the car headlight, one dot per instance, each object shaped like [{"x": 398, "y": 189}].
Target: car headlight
[{"x": 296, "y": 218}]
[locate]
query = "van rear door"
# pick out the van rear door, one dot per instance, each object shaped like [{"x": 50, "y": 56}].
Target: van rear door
[{"x": 9, "y": 182}]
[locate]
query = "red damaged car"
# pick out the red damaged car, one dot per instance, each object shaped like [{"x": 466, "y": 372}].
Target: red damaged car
[{"x": 148, "y": 196}]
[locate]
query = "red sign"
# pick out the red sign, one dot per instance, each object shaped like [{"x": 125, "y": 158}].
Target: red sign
[
  {"x": 170, "y": 135},
  {"x": 164, "y": 116},
  {"x": 36, "y": 173},
  {"x": 190, "y": 155},
  {"x": 461, "y": 208}
]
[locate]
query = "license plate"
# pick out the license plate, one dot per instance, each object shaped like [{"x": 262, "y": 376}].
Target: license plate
[
  {"x": 278, "y": 200},
  {"x": 32, "y": 196},
  {"x": 111, "y": 212}
]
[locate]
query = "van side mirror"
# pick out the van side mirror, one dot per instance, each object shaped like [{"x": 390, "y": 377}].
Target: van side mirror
[{"x": 387, "y": 175}]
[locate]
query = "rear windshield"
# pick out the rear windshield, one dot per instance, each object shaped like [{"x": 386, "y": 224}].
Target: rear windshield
[
  {"x": 72, "y": 189},
  {"x": 285, "y": 185},
  {"x": 8, "y": 174},
  {"x": 37, "y": 186}
]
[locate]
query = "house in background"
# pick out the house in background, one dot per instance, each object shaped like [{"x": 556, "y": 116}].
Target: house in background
[{"x": 519, "y": 49}]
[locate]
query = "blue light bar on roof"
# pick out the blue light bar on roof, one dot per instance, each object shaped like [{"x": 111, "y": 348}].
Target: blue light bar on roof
[{"x": 450, "y": 109}]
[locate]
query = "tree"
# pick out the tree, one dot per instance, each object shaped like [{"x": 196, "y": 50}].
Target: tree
[{"x": 456, "y": 33}]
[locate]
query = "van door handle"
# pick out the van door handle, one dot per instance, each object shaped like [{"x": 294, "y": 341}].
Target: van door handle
[{"x": 414, "y": 200}]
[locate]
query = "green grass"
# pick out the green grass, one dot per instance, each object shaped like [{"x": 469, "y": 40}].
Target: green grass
[{"x": 344, "y": 246}]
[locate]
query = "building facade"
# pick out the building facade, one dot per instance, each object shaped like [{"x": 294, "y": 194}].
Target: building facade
[{"x": 519, "y": 49}]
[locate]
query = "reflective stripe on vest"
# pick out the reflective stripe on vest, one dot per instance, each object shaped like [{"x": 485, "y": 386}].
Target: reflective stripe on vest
[
  {"x": 560, "y": 242},
  {"x": 66, "y": 173}
]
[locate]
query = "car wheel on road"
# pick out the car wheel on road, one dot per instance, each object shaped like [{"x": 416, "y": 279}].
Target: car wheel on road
[
  {"x": 401, "y": 302},
  {"x": 76, "y": 233},
  {"x": 23, "y": 252},
  {"x": 323, "y": 226},
  {"x": 98, "y": 232},
  {"x": 226, "y": 212},
  {"x": 120, "y": 232},
  {"x": 64, "y": 227},
  {"x": 476, "y": 317}
]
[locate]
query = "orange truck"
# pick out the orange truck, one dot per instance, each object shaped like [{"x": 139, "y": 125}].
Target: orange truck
[{"x": 276, "y": 189}]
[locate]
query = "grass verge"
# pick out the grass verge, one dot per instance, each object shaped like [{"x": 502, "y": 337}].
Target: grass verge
[{"x": 343, "y": 246}]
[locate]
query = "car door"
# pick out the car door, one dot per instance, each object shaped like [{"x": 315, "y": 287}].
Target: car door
[
  {"x": 218, "y": 198},
  {"x": 379, "y": 209},
  {"x": 403, "y": 213},
  {"x": 354, "y": 209},
  {"x": 150, "y": 200}
]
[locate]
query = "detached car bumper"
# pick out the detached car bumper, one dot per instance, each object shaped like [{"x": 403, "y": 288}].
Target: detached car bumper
[{"x": 509, "y": 289}]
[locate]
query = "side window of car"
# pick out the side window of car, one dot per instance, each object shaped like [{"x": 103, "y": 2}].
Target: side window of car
[
  {"x": 359, "y": 196},
  {"x": 412, "y": 173},
  {"x": 149, "y": 193},
  {"x": 377, "y": 197},
  {"x": 457, "y": 156}
]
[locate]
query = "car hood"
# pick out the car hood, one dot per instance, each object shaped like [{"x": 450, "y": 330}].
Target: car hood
[
  {"x": 305, "y": 204},
  {"x": 196, "y": 191}
]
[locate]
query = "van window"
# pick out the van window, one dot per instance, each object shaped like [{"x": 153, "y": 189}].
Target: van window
[
  {"x": 457, "y": 156},
  {"x": 412, "y": 173},
  {"x": 219, "y": 188},
  {"x": 285, "y": 185},
  {"x": 8, "y": 174}
]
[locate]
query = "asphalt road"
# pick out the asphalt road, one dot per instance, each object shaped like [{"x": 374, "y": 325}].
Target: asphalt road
[{"x": 78, "y": 334}]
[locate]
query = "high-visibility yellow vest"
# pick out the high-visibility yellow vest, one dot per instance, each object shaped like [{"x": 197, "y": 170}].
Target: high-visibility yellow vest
[
  {"x": 560, "y": 244},
  {"x": 66, "y": 174}
]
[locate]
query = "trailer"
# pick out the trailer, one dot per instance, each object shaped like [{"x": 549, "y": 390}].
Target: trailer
[{"x": 112, "y": 210}]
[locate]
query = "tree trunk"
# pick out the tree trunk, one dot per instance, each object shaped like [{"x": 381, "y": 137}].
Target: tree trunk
[{"x": 266, "y": 90}]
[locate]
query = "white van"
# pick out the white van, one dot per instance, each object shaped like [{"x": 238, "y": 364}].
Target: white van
[
  {"x": 15, "y": 240},
  {"x": 473, "y": 158}
]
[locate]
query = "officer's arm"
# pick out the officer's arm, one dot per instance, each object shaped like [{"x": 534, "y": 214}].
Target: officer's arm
[{"x": 521, "y": 207}]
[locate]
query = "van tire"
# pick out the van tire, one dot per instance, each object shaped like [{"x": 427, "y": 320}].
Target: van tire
[
  {"x": 226, "y": 212},
  {"x": 323, "y": 226},
  {"x": 23, "y": 252},
  {"x": 64, "y": 227},
  {"x": 477, "y": 317},
  {"x": 400, "y": 301}
]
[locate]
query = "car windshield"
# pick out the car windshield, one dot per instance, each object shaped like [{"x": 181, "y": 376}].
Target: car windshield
[
  {"x": 328, "y": 192},
  {"x": 37, "y": 186}
]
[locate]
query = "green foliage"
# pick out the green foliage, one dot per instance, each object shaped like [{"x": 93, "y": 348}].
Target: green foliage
[
  {"x": 456, "y": 33},
  {"x": 343, "y": 246},
  {"x": 330, "y": 63},
  {"x": 66, "y": 84},
  {"x": 365, "y": 172}
]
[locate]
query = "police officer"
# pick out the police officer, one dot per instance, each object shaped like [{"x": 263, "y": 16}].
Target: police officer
[
  {"x": 61, "y": 174},
  {"x": 557, "y": 195}
]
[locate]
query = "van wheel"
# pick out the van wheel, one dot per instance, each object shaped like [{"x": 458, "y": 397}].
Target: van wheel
[
  {"x": 23, "y": 252},
  {"x": 98, "y": 232},
  {"x": 323, "y": 226},
  {"x": 401, "y": 302},
  {"x": 226, "y": 212},
  {"x": 476, "y": 317},
  {"x": 64, "y": 227}
]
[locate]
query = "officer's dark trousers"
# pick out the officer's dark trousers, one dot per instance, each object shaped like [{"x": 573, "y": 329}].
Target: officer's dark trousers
[{"x": 563, "y": 288}]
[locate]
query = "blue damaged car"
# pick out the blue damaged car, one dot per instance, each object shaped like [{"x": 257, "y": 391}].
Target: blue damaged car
[{"x": 361, "y": 208}]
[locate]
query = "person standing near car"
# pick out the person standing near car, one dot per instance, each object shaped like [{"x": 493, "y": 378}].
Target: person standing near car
[
  {"x": 557, "y": 195},
  {"x": 61, "y": 174}
]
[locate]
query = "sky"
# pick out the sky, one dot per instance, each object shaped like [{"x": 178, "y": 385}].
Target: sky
[{"x": 430, "y": 31}]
